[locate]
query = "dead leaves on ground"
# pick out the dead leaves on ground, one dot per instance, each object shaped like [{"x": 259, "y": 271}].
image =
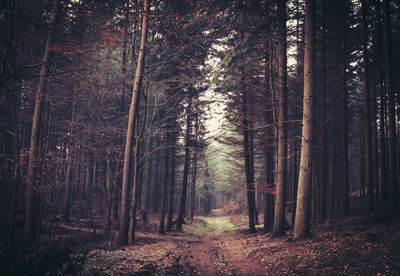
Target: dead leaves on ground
[{"x": 351, "y": 246}]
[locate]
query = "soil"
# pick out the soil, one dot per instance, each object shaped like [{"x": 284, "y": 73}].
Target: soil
[
  {"x": 219, "y": 245},
  {"x": 366, "y": 245}
]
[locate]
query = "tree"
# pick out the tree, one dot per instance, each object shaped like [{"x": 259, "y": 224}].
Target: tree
[
  {"x": 280, "y": 177},
  {"x": 302, "y": 223},
  {"x": 367, "y": 119},
  {"x": 182, "y": 202},
  {"x": 392, "y": 147},
  {"x": 126, "y": 176}
]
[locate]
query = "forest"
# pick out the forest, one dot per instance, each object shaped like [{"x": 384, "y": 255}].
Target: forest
[{"x": 199, "y": 137}]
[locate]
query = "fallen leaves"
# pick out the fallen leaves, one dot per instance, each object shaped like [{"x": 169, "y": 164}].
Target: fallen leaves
[{"x": 351, "y": 246}]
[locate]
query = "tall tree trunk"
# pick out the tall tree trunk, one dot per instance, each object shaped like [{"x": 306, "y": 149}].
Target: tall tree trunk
[
  {"x": 137, "y": 177},
  {"x": 123, "y": 227},
  {"x": 269, "y": 143},
  {"x": 135, "y": 193},
  {"x": 295, "y": 179},
  {"x": 247, "y": 161},
  {"x": 392, "y": 152},
  {"x": 165, "y": 191},
  {"x": 149, "y": 176},
  {"x": 251, "y": 155},
  {"x": 362, "y": 168},
  {"x": 171, "y": 182},
  {"x": 182, "y": 202},
  {"x": 367, "y": 119},
  {"x": 302, "y": 220},
  {"x": 345, "y": 143},
  {"x": 109, "y": 189},
  {"x": 194, "y": 169},
  {"x": 383, "y": 181},
  {"x": 193, "y": 187},
  {"x": 280, "y": 182},
  {"x": 324, "y": 145},
  {"x": 31, "y": 193}
]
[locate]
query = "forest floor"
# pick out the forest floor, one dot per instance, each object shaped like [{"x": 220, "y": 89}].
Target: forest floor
[
  {"x": 221, "y": 245},
  {"x": 366, "y": 245}
]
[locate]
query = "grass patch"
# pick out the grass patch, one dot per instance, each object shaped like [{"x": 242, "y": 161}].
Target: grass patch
[{"x": 210, "y": 225}]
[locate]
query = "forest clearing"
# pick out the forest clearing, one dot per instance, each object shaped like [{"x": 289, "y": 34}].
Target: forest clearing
[{"x": 199, "y": 137}]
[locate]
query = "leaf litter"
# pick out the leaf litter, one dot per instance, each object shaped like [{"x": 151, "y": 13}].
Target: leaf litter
[{"x": 366, "y": 245}]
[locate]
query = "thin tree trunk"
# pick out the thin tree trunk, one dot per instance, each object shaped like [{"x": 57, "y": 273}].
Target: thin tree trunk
[
  {"x": 362, "y": 168},
  {"x": 171, "y": 183},
  {"x": 268, "y": 219},
  {"x": 251, "y": 155},
  {"x": 164, "y": 195},
  {"x": 182, "y": 202},
  {"x": 137, "y": 177},
  {"x": 13, "y": 41},
  {"x": 109, "y": 189},
  {"x": 135, "y": 193},
  {"x": 295, "y": 179},
  {"x": 324, "y": 151},
  {"x": 30, "y": 207},
  {"x": 383, "y": 181},
  {"x": 194, "y": 168},
  {"x": 345, "y": 143},
  {"x": 247, "y": 159},
  {"x": 193, "y": 186},
  {"x": 367, "y": 119},
  {"x": 124, "y": 227},
  {"x": 280, "y": 182},
  {"x": 302, "y": 220},
  {"x": 392, "y": 152}
]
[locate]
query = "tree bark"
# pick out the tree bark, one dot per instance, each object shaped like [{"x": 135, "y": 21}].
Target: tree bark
[
  {"x": 247, "y": 161},
  {"x": 171, "y": 181},
  {"x": 367, "y": 119},
  {"x": 109, "y": 189},
  {"x": 280, "y": 182},
  {"x": 135, "y": 193},
  {"x": 193, "y": 187},
  {"x": 324, "y": 144},
  {"x": 345, "y": 140},
  {"x": 383, "y": 181},
  {"x": 392, "y": 149},
  {"x": 164, "y": 195},
  {"x": 302, "y": 220},
  {"x": 182, "y": 202},
  {"x": 124, "y": 218}
]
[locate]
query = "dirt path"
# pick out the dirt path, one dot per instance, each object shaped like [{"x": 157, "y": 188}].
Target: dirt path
[
  {"x": 213, "y": 246},
  {"x": 212, "y": 254}
]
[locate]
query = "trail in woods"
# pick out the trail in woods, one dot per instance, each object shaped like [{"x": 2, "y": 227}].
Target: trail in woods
[
  {"x": 214, "y": 246},
  {"x": 208, "y": 247},
  {"x": 213, "y": 254}
]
